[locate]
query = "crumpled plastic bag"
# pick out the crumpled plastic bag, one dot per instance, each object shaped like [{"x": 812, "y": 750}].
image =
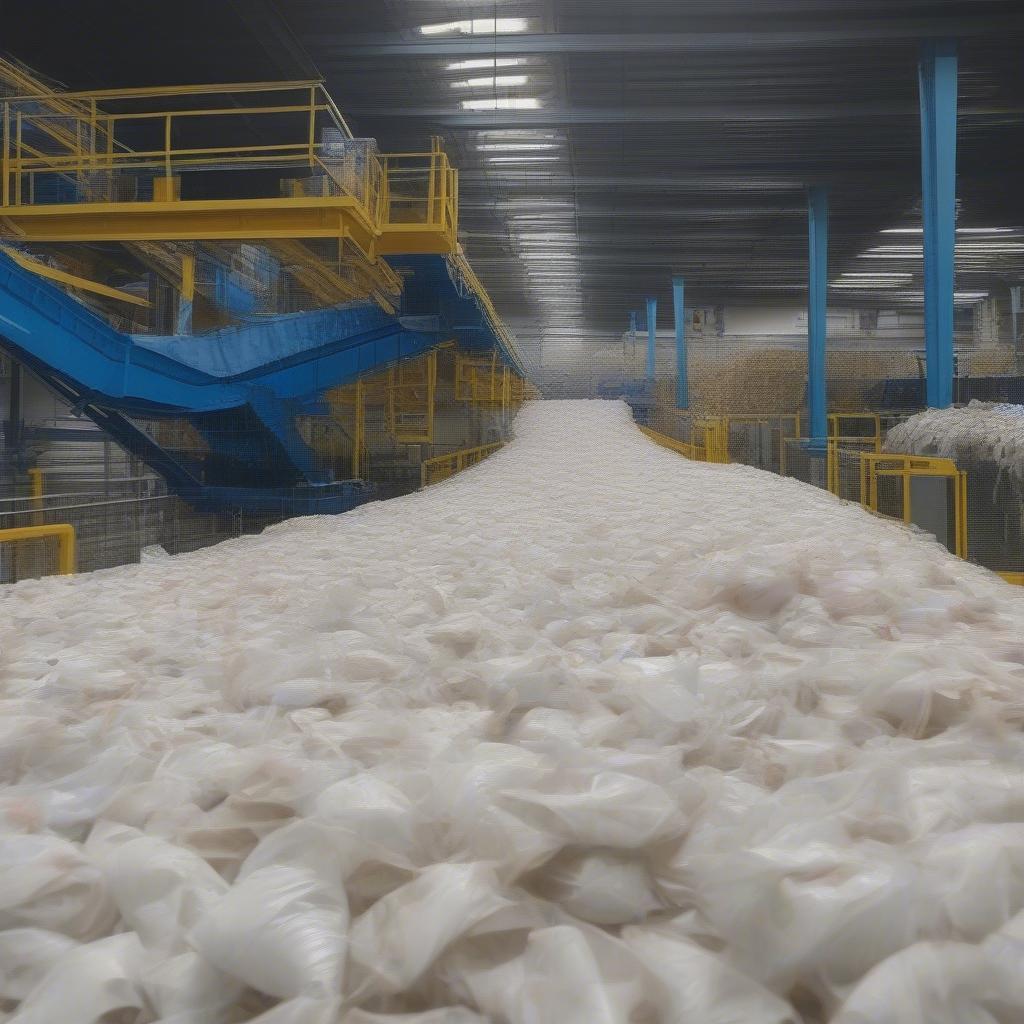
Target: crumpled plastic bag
[
  {"x": 978, "y": 875},
  {"x": 187, "y": 987},
  {"x": 702, "y": 986},
  {"x": 938, "y": 983},
  {"x": 26, "y": 954},
  {"x": 87, "y": 983},
  {"x": 617, "y": 810},
  {"x": 577, "y": 976},
  {"x": 160, "y": 889},
  {"x": 50, "y": 883},
  {"x": 401, "y": 935},
  {"x": 606, "y": 887},
  {"x": 281, "y": 930}
]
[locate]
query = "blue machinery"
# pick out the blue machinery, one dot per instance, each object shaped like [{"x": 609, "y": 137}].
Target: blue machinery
[
  {"x": 370, "y": 242},
  {"x": 241, "y": 387}
]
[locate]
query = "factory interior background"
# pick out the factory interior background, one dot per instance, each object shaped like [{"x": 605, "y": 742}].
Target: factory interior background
[{"x": 512, "y": 511}]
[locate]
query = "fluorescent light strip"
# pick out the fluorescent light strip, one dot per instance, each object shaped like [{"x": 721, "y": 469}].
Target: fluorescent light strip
[
  {"x": 495, "y": 82},
  {"x": 481, "y": 65},
  {"x": 522, "y": 159},
  {"x": 517, "y": 134},
  {"x": 506, "y": 147},
  {"x": 503, "y": 103},
  {"x": 475, "y": 27},
  {"x": 959, "y": 231}
]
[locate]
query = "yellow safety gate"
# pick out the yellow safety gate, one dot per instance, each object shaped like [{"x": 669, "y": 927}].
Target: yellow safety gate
[{"x": 878, "y": 468}]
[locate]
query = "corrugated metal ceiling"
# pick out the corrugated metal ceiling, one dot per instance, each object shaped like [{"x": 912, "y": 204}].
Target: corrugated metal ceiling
[{"x": 668, "y": 136}]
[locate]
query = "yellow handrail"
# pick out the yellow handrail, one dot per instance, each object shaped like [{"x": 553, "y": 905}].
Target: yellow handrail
[
  {"x": 65, "y": 534},
  {"x": 697, "y": 453},
  {"x": 441, "y": 467}
]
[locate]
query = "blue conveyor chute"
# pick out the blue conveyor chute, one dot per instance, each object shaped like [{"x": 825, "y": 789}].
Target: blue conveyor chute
[{"x": 241, "y": 387}]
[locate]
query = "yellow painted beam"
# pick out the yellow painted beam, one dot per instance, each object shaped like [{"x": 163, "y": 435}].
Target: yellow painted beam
[
  {"x": 243, "y": 219},
  {"x": 73, "y": 280},
  {"x": 415, "y": 239}
]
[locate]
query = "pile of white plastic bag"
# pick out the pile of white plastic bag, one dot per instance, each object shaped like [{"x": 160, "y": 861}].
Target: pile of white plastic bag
[
  {"x": 979, "y": 432},
  {"x": 587, "y": 734}
]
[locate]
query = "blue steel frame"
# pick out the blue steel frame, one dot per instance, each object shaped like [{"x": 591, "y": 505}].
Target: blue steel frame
[
  {"x": 817, "y": 312},
  {"x": 262, "y": 375},
  {"x": 682, "y": 374},
  {"x": 937, "y": 76},
  {"x": 652, "y": 336}
]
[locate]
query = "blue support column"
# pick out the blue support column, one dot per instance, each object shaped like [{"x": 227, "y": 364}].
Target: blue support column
[
  {"x": 817, "y": 312},
  {"x": 652, "y": 336},
  {"x": 938, "y": 94},
  {"x": 682, "y": 377}
]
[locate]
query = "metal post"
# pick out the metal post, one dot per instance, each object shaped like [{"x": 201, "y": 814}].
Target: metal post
[
  {"x": 682, "y": 376},
  {"x": 938, "y": 96},
  {"x": 1015, "y": 310},
  {"x": 634, "y": 319},
  {"x": 652, "y": 336},
  {"x": 817, "y": 312}
]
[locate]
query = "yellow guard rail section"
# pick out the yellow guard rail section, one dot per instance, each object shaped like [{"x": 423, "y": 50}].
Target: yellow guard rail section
[
  {"x": 65, "y": 534},
  {"x": 441, "y": 467}
]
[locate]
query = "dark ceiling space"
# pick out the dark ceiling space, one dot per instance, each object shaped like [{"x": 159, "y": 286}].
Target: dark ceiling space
[{"x": 667, "y": 135}]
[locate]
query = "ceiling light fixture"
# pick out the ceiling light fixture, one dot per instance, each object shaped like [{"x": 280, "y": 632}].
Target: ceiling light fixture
[
  {"x": 959, "y": 231},
  {"x": 480, "y": 65},
  {"x": 498, "y": 81},
  {"x": 475, "y": 27},
  {"x": 503, "y": 103},
  {"x": 505, "y": 147}
]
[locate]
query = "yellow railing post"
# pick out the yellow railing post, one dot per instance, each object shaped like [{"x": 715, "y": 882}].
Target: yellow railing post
[
  {"x": 359, "y": 439},
  {"x": 432, "y": 190},
  {"x": 17, "y": 152},
  {"x": 312, "y": 123},
  {"x": 6, "y": 155},
  {"x": 167, "y": 152},
  {"x": 35, "y": 477}
]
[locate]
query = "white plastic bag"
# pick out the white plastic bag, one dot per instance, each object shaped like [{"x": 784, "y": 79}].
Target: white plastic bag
[
  {"x": 26, "y": 954},
  {"x": 938, "y": 983},
  {"x": 401, "y": 935},
  {"x": 87, "y": 983},
  {"x": 50, "y": 883},
  {"x": 160, "y": 889},
  {"x": 702, "y": 986},
  {"x": 280, "y": 930}
]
